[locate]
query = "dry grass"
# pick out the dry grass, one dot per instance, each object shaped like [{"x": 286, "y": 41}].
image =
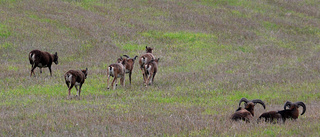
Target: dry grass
[{"x": 212, "y": 53}]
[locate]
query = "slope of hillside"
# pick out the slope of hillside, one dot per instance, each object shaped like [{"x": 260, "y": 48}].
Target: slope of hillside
[{"x": 212, "y": 53}]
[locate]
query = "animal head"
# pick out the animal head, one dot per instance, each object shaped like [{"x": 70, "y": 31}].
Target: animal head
[
  {"x": 149, "y": 49},
  {"x": 85, "y": 72},
  {"x": 249, "y": 104},
  {"x": 295, "y": 105},
  {"x": 55, "y": 58}
]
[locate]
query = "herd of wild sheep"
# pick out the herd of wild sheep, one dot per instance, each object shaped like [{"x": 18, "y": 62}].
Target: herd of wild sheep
[{"x": 149, "y": 65}]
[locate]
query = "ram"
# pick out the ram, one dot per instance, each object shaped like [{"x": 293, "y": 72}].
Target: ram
[
  {"x": 42, "y": 59},
  {"x": 247, "y": 112},
  {"x": 130, "y": 64},
  {"x": 291, "y": 113},
  {"x": 75, "y": 78}
]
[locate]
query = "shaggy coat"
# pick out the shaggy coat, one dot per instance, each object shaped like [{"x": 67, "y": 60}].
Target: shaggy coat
[
  {"x": 150, "y": 70},
  {"x": 75, "y": 78},
  {"x": 42, "y": 59},
  {"x": 117, "y": 70}
]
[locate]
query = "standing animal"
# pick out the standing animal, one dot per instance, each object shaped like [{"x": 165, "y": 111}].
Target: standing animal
[
  {"x": 42, "y": 59},
  {"x": 150, "y": 70},
  {"x": 75, "y": 78},
  {"x": 291, "y": 113},
  {"x": 130, "y": 64},
  {"x": 247, "y": 112},
  {"x": 117, "y": 70},
  {"x": 145, "y": 58}
]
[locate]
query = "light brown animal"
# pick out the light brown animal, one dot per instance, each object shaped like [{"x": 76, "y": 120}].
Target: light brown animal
[
  {"x": 75, "y": 78},
  {"x": 117, "y": 70}
]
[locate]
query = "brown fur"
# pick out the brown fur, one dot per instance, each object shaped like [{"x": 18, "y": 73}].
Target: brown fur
[
  {"x": 42, "y": 59},
  {"x": 150, "y": 69},
  {"x": 75, "y": 76},
  {"x": 148, "y": 56},
  {"x": 116, "y": 71},
  {"x": 129, "y": 65},
  {"x": 291, "y": 113},
  {"x": 247, "y": 112}
]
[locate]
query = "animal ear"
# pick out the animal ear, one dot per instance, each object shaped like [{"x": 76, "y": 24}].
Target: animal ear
[
  {"x": 86, "y": 69},
  {"x": 56, "y": 54},
  {"x": 135, "y": 58},
  {"x": 158, "y": 59}
]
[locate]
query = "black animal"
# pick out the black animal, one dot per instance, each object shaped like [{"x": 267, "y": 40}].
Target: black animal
[{"x": 42, "y": 59}]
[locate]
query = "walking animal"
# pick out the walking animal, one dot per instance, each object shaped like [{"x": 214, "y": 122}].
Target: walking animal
[
  {"x": 75, "y": 78},
  {"x": 42, "y": 59},
  {"x": 291, "y": 113},
  {"x": 247, "y": 112},
  {"x": 150, "y": 70},
  {"x": 130, "y": 64},
  {"x": 117, "y": 70},
  {"x": 145, "y": 58}
]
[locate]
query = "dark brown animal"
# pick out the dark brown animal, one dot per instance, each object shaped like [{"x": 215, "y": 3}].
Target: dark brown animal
[
  {"x": 130, "y": 64},
  {"x": 291, "y": 113},
  {"x": 150, "y": 69},
  {"x": 42, "y": 59},
  {"x": 148, "y": 56},
  {"x": 247, "y": 112},
  {"x": 75, "y": 78},
  {"x": 117, "y": 70}
]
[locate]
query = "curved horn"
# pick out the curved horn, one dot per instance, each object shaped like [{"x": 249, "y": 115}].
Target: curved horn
[
  {"x": 260, "y": 102},
  {"x": 243, "y": 100},
  {"x": 299, "y": 103},
  {"x": 135, "y": 57},
  {"x": 126, "y": 56},
  {"x": 288, "y": 103}
]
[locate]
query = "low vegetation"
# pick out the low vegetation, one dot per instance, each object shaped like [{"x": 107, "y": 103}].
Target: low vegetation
[{"x": 213, "y": 53}]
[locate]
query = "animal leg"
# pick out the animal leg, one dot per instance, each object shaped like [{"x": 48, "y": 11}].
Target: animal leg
[
  {"x": 50, "y": 70},
  {"x": 130, "y": 77},
  {"x": 108, "y": 81},
  {"x": 70, "y": 90},
  {"x": 32, "y": 70}
]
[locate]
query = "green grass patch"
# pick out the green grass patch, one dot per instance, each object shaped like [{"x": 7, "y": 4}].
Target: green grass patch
[{"x": 4, "y": 31}]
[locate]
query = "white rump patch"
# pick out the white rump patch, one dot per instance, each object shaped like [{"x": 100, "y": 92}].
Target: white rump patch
[
  {"x": 69, "y": 78},
  {"x": 77, "y": 83},
  {"x": 111, "y": 71},
  {"x": 32, "y": 57}
]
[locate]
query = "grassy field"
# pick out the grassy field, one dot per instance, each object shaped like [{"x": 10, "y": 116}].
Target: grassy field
[{"x": 212, "y": 53}]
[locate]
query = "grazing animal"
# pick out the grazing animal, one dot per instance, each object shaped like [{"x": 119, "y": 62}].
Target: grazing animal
[
  {"x": 247, "y": 112},
  {"x": 129, "y": 66},
  {"x": 145, "y": 58},
  {"x": 117, "y": 70},
  {"x": 42, "y": 59},
  {"x": 291, "y": 113},
  {"x": 75, "y": 78},
  {"x": 150, "y": 70}
]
